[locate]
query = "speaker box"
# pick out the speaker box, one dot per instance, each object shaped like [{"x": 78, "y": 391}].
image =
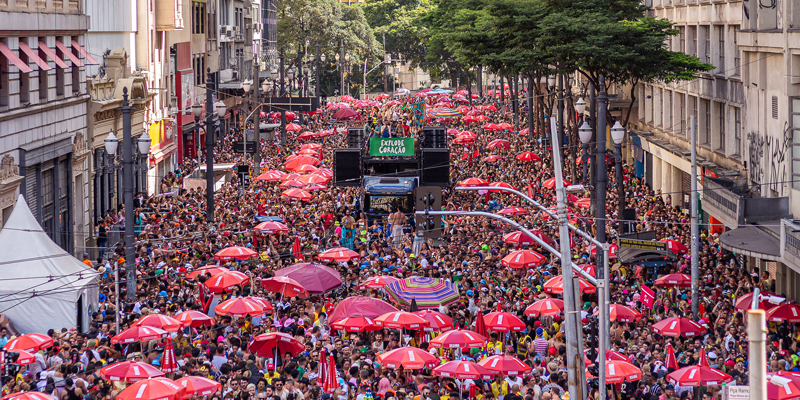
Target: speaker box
[
  {"x": 355, "y": 138},
  {"x": 434, "y": 137},
  {"x": 629, "y": 217},
  {"x": 435, "y": 167},
  {"x": 347, "y": 167}
]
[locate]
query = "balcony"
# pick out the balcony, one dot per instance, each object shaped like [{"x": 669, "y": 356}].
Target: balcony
[
  {"x": 790, "y": 242},
  {"x": 42, "y": 6},
  {"x": 169, "y": 15},
  {"x": 733, "y": 207}
]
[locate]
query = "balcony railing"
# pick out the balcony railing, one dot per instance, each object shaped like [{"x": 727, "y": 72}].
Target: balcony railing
[{"x": 41, "y": 6}]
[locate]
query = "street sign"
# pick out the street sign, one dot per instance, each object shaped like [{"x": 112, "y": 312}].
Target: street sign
[
  {"x": 245, "y": 147},
  {"x": 642, "y": 244},
  {"x": 392, "y": 147},
  {"x": 736, "y": 392},
  {"x": 291, "y": 104}
]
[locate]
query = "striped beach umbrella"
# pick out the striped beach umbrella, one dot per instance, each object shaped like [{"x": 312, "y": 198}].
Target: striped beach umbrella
[{"x": 428, "y": 292}]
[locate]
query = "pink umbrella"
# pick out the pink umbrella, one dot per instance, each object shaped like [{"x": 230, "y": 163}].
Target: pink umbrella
[
  {"x": 377, "y": 282},
  {"x": 462, "y": 370},
  {"x": 359, "y": 306},
  {"x": 546, "y": 307},
  {"x": 437, "y": 322},
  {"x": 315, "y": 278}
]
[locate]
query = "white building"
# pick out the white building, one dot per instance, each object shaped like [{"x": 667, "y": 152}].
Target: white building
[
  {"x": 747, "y": 111},
  {"x": 43, "y": 105}
]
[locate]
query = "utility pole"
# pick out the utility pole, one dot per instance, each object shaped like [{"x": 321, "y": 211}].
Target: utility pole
[
  {"x": 516, "y": 102},
  {"x": 695, "y": 227},
  {"x": 531, "y": 101},
  {"x": 386, "y": 59},
  {"x": 757, "y": 337},
  {"x": 602, "y": 178},
  {"x": 127, "y": 197},
  {"x": 560, "y": 106},
  {"x": 341, "y": 69},
  {"x": 318, "y": 86},
  {"x": 209, "y": 147},
  {"x": 574, "y": 359},
  {"x": 257, "y": 119},
  {"x": 502, "y": 93},
  {"x": 283, "y": 72},
  {"x": 593, "y": 145}
]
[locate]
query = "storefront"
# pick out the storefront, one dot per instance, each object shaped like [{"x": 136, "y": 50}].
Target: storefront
[{"x": 163, "y": 154}]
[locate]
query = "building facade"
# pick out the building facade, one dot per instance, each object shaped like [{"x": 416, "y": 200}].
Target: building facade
[
  {"x": 747, "y": 110},
  {"x": 43, "y": 106}
]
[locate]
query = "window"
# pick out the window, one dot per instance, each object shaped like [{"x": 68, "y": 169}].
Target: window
[
  {"x": 796, "y": 143},
  {"x": 682, "y": 114},
  {"x": 721, "y": 37},
  {"x": 737, "y": 130},
  {"x": 196, "y": 18},
  {"x": 693, "y": 41},
  {"x": 661, "y": 110},
  {"x": 4, "y": 83},
  {"x": 681, "y": 39},
  {"x": 24, "y": 79},
  {"x": 737, "y": 61},
  {"x": 706, "y": 127},
  {"x": 671, "y": 111},
  {"x": 43, "y": 82},
  {"x": 706, "y": 36},
  {"x": 76, "y": 71},
  {"x": 693, "y": 107},
  {"x": 721, "y": 122},
  {"x": 59, "y": 74}
]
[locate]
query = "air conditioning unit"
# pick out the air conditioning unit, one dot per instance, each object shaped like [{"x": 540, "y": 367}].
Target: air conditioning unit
[{"x": 229, "y": 30}]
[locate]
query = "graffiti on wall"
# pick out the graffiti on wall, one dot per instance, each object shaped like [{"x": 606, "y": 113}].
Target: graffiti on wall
[{"x": 767, "y": 159}]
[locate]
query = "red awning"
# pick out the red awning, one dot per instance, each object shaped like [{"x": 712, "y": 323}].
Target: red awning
[
  {"x": 75, "y": 60},
  {"x": 84, "y": 53},
  {"x": 33, "y": 56},
  {"x": 49, "y": 53},
  {"x": 13, "y": 58}
]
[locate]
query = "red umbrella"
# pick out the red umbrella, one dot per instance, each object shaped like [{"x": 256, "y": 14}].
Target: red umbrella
[
  {"x": 332, "y": 381},
  {"x": 239, "y": 308},
  {"x": 129, "y": 371},
  {"x": 306, "y": 169},
  {"x": 377, "y": 282},
  {"x": 237, "y": 253},
  {"x": 499, "y": 144},
  {"x": 582, "y": 203},
  {"x": 620, "y": 371},
  {"x": 501, "y": 184},
  {"x": 590, "y": 269},
  {"x": 551, "y": 183},
  {"x": 505, "y": 126},
  {"x": 344, "y": 113},
  {"x": 285, "y": 286},
  {"x": 268, "y": 344},
  {"x": 491, "y": 127},
  {"x": 523, "y": 259},
  {"x": 356, "y": 324},
  {"x": 505, "y": 365},
  {"x": 199, "y": 386},
  {"x": 674, "y": 280},
  {"x": 312, "y": 146},
  {"x": 211, "y": 270},
  {"x": 28, "y": 396},
  {"x": 194, "y": 319},
  {"x": 622, "y": 313},
  {"x": 297, "y": 194},
  {"x": 610, "y": 355},
  {"x": 315, "y": 178},
  {"x": 153, "y": 389},
  {"x": 297, "y": 162},
  {"x": 528, "y": 156},
  {"x": 462, "y": 370},
  {"x": 139, "y": 334},
  {"x": 31, "y": 342},
  {"x": 675, "y": 246},
  {"x": 697, "y": 375},
  {"x": 670, "y": 361},
  {"x": 490, "y": 108},
  {"x": 338, "y": 254},
  {"x": 518, "y": 238},
  {"x": 555, "y": 286},
  {"x": 293, "y": 128},
  {"x": 226, "y": 281},
  {"x": 464, "y": 140},
  {"x": 492, "y": 158},
  {"x": 401, "y": 320},
  {"x": 513, "y": 211},
  {"x": 612, "y": 251},
  {"x": 767, "y": 301},
  {"x": 24, "y": 357},
  {"x": 271, "y": 176},
  {"x": 678, "y": 326},
  {"x": 524, "y": 131},
  {"x": 316, "y": 188},
  {"x": 168, "y": 362},
  {"x": 452, "y": 132},
  {"x": 264, "y": 303},
  {"x": 161, "y": 321},
  {"x": 784, "y": 313},
  {"x": 480, "y": 325},
  {"x": 292, "y": 183},
  {"x": 437, "y": 322},
  {"x": 786, "y": 387},
  {"x": 545, "y": 307},
  {"x": 359, "y": 306},
  {"x": 458, "y": 339},
  {"x": 408, "y": 358},
  {"x": 472, "y": 182},
  {"x": 315, "y": 278},
  {"x": 501, "y": 321},
  {"x": 271, "y": 227}
]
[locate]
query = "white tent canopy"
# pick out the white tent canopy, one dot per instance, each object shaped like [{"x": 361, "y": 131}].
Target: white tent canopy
[{"x": 41, "y": 285}]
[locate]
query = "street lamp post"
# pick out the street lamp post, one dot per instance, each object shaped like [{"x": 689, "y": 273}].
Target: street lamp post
[
  {"x": 305, "y": 79},
  {"x": 128, "y": 165},
  {"x": 602, "y": 178},
  {"x": 211, "y": 109},
  {"x": 617, "y": 135},
  {"x": 585, "y": 134}
]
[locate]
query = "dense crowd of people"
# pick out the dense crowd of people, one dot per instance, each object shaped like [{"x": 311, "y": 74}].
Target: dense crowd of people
[{"x": 174, "y": 239}]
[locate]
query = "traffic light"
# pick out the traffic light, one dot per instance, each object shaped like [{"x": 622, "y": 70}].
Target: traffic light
[{"x": 428, "y": 198}]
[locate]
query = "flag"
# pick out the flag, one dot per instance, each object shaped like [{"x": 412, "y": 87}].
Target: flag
[
  {"x": 168, "y": 362},
  {"x": 670, "y": 361},
  {"x": 648, "y": 296},
  {"x": 530, "y": 191}
]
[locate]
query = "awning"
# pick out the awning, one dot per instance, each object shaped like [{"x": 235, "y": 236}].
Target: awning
[
  {"x": 33, "y": 56},
  {"x": 84, "y": 53},
  {"x": 646, "y": 257},
  {"x": 23, "y": 67},
  {"x": 164, "y": 152},
  {"x": 752, "y": 241},
  {"x": 53, "y": 57},
  {"x": 75, "y": 60}
]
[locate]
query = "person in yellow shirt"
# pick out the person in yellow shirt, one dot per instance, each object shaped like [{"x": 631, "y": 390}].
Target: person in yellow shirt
[
  {"x": 500, "y": 387},
  {"x": 494, "y": 347}
]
